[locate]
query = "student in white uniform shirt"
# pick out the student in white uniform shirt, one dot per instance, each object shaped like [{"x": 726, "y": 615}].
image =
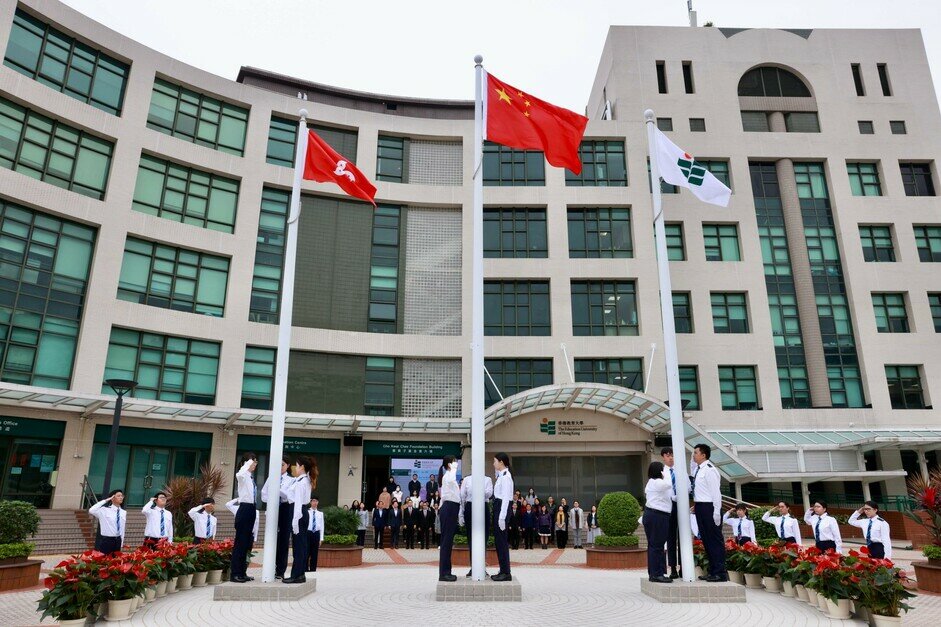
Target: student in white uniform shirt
[
  {"x": 785, "y": 526},
  {"x": 298, "y": 493},
  {"x": 707, "y": 505},
  {"x": 314, "y": 533},
  {"x": 502, "y": 496},
  {"x": 875, "y": 530},
  {"x": 233, "y": 506},
  {"x": 245, "y": 517},
  {"x": 284, "y": 517},
  {"x": 743, "y": 529},
  {"x": 112, "y": 521},
  {"x": 204, "y": 523},
  {"x": 159, "y": 525},
  {"x": 447, "y": 515},
  {"x": 825, "y": 528},
  {"x": 658, "y": 495},
  {"x": 465, "y": 517}
]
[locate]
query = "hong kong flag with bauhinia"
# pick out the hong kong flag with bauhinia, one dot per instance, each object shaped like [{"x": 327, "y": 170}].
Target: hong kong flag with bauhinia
[
  {"x": 519, "y": 120},
  {"x": 325, "y": 165}
]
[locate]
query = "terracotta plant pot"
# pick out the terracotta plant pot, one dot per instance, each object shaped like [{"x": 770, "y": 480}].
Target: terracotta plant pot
[
  {"x": 119, "y": 610},
  {"x": 199, "y": 579},
  {"x": 839, "y": 610},
  {"x": 460, "y": 556},
  {"x": 214, "y": 577},
  {"x": 171, "y": 585},
  {"x": 150, "y": 594},
  {"x": 737, "y": 577},
  {"x": 161, "y": 589},
  {"x": 184, "y": 582},
  {"x": 339, "y": 556},
  {"x": 772, "y": 584},
  {"x": 787, "y": 589},
  {"x": 800, "y": 593},
  {"x": 615, "y": 557},
  {"x": 753, "y": 581},
  {"x": 928, "y": 576}
]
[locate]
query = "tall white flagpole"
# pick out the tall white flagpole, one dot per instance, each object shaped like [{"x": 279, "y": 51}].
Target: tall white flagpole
[
  {"x": 478, "y": 511},
  {"x": 279, "y": 403},
  {"x": 672, "y": 367}
]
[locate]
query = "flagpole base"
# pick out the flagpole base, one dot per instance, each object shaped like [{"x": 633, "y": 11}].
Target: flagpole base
[
  {"x": 693, "y": 591},
  {"x": 466, "y": 590}
]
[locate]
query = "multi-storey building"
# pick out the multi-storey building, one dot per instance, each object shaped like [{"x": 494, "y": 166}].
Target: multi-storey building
[{"x": 142, "y": 213}]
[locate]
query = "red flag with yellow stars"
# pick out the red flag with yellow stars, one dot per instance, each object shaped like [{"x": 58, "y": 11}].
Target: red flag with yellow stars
[{"x": 518, "y": 120}]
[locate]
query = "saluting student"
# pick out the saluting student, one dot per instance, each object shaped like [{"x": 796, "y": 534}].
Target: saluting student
[
  {"x": 707, "y": 506},
  {"x": 448, "y": 514},
  {"x": 673, "y": 534},
  {"x": 656, "y": 519},
  {"x": 784, "y": 525},
  {"x": 284, "y": 480},
  {"x": 204, "y": 523},
  {"x": 305, "y": 475},
  {"x": 314, "y": 533},
  {"x": 245, "y": 519},
  {"x": 826, "y": 529},
  {"x": 876, "y": 529},
  {"x": 112, "y": 521},
  {"x": 502, "y": 495},
  {"x": 159, "y": 524},
  {"x": 743, "y": 528}
]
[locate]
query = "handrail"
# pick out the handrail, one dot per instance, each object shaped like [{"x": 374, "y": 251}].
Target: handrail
[{"x": 88, "y": 494}]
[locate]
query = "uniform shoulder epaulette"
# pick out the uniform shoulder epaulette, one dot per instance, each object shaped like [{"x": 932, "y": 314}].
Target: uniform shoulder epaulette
[
  {"x": 709, "y": 465},
  {"x": 880, "y": 518}
]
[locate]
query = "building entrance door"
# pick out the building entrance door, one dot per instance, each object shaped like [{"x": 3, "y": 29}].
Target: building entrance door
[{"x": 150, "y": 468}]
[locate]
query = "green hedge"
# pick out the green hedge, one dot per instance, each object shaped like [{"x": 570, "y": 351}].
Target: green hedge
[
  {"x": 618, "y": 513},
  {"x": 763, "y": 530},
  {"x": 460, "y": 539},
  {"x": 340, "y": 539},
  {"x": 18, "y": 520},
  {"x": 620, "y": 541},
  {"x": 932, "y": 552},
  {"x": 16, "y": 549}
]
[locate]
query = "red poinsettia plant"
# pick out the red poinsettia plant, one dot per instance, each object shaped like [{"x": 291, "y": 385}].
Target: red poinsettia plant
[
  {"x": 699, "y": 555},
  {"x": 71, "y": 589},
  {"x": 877, "y": 583}
]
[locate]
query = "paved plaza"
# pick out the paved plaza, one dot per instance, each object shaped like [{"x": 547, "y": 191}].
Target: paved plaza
[{"x": 556, "y": 587}]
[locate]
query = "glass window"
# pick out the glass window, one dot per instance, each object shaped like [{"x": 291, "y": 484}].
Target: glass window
[
  {"x": 718, "y": 168},
  {"x": 516, "y": 308},
  {"x": 928, "y": 242},
  {"x": 258, "y": 377},
  {"x": 197, "y": 118},
  {"x": 801, "y": 122},
  {"x": 513, "y": 376},
  {"x": 891, "y": 314},
  {"x": 665, "y": 188},
  {"x": 166, "y": 367},
  {"x": 169, "y": 190},
  {"x": 344, "y": 141},
  {"x": 380, "y": 386},
  {"x": 864, "y": 179},
  {"x": 858, "y": 79},
  {"x": 282, "y": 137},
  {"x": 676, "y": 248},
  {"x": 739, "y": 387},
  {"x": 846, "y": 386},
  {"x": 509, "y": 167},
  {"x": 721, "y": 242},
  {"x": 269, "y": 256},
  {"x": 688, "y": 77},
  {"x": 173, "y": 278},
  {"x": 682, "y": 312},
  {"x": 604, "y": 308},
  {"x": 56, "y": 60},
  {"x": 603, "y": 165},
  {"x": 599, "y": 233},
  {"x": 866, "y": 128},
  {"x": 898, "y": 127},
  {"x": 46, "y": 149},
  {"x": 665, "y": 124},
  {"x": 391, "y": 163},
  {"x": 384, "y": 270},
  {"x": 697, "y": 125},
  {"x": 729, "y": 312},
  {"x": 934, "y": 302},
  {"x": 44, "y": 268},
  {"x": 905, "y": 390},
  {"x": 689, "y": 387},
  {"x": 628, "y": 373},
  {"x": 661, "y": 77},
  {"x": 916, "y": 178},
  {"x": 772, "y": 81},
  {"x": 755, "y": 122},
  {"x": 811, "y": 180},
  {"x": 877, "y": 243},
  {"x": 515, "y": 232},
  {"x": 794, "y": 386},
  {"x": 884, "y": 79}
]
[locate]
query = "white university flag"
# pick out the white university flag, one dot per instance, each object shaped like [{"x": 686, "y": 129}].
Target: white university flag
[{"x": 678, "y": 167}]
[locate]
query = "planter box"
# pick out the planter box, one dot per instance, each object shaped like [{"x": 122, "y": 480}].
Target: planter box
[
  {"x": 460, "y": 556},
  {"x": 23, "y": 573},
  {"x": 928, "y": 576},
  {"x": 339, "y": 556},
  {"x": 615, "y": 557}
]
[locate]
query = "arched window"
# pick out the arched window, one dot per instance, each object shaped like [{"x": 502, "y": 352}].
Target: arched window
[{"x": 772, "y": 81}]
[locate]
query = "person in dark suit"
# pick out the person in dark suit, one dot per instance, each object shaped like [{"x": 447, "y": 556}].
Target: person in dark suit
[
  {"x": 395, "y": 524},
  {"x": 513, "y": 523},
  {"x": 390, "y": 487},
  {"x": 378, "y": 524},
  {"x": 409, "y": 520},
  {"x": 431, "y": 487},
  {"x": 426, "y": 522},
  {"x": 414, "y": 486}
]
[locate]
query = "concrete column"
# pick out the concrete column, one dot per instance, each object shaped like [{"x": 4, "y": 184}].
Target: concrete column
[
  {"x": 350, "y": 484},
  {"x": 922, "y": 463},
  {"x": 803, "y": 281},
  {"x": 805, "y": 495},
  {"x": 891, "y": 459},
  {"x": 738, "y": 491},
  {"x": 867, "y": 493},
  {"x": 74, "y": 460},
  {"x": 222, "y": 454}
]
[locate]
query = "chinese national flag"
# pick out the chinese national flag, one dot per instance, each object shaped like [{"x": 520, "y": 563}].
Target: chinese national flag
[
  {"x": 324, "y": 164},
  {"x": 518, "y": 120}
]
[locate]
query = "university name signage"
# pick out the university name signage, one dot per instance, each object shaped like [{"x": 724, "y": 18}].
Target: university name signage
[
  {"x": 412, "y": 449},
  {"x": 566, "y": 427}
]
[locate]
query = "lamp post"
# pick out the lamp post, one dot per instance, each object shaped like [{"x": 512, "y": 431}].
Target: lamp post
[{"x": 120, "y": 387}]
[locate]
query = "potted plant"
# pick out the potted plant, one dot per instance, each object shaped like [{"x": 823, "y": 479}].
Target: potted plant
[
  {"x": 187, "y": 565},
  {"x": 18, "y": 521},
  {"x": 735, "y": 559},
  {"x": 121, "y": 581},
  {"x": 460, "y": 555},
  {"x": 787, "y": 569},
  {"x": 339, "y": 548},
  {"x": 880, "y": 587},
  {"x": 926, "y": 512},
  {"x": 757, "y": 565},
  {"x": 71, "y": 592},
  {"x": 618, "y": 513},
  {"x": 223, "y": 557},
  {"x": 700, "y": 559},
  {"x": 185, "y": 493}
]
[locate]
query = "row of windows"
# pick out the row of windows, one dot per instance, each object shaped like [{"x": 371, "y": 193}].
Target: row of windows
[
  {"x": 891, "y": 311},
  {"x": 883, "y": 71},
  {"x": 896, "y": 127}
]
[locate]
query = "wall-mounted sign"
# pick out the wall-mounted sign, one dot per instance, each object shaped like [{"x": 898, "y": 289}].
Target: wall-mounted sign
[{"x": 566, "y": 427}]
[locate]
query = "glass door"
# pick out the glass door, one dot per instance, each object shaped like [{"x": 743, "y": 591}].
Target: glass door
[
  {"x": 31, "y": 463},
  {"x": 150, "y": 468}
]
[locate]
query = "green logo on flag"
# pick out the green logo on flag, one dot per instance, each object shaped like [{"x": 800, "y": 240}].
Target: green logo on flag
[
  {"x": 547, "y": 426},
  {"x": 693, "y": 172}
]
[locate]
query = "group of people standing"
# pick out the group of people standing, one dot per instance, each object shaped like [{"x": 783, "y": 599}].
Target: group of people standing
[{"x": 660, "y": 520}]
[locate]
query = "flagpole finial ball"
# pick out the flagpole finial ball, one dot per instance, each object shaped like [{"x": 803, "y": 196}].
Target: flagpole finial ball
[
  {"x": 478, "y": 59},
  {"x": 303, "y": 113},
  {"x": 648, "y": 115}
]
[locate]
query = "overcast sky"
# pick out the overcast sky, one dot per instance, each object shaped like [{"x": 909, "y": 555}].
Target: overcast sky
[{"x": 419, "y": 48}]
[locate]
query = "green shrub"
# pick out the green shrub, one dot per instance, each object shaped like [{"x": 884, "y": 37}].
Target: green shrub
[
  {"x": 16, "y": 549},
  {"x": 618, "y": 513},
  {"x": 18, "y": 520},
  {"x": 619, "y": 541},
  {"x": 183, "y": 539},
  {"x": 460, "y": 539},
  {"x": 763, "y": 530},
  {"x": 340, "y": 522},
  {"x": 341, "y": 539},
  {"x": 932, "y": 552}
]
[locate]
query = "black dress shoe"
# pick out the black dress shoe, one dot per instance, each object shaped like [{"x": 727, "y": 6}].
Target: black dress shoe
[
  {"x": 279, "y": 576},
  {"x": 250, "y": 578},
  {"x": 501, "y": 577},
  {"x": 704, "y": 577},
  {"x": 660, "y": 579},
  {"x": 299, "y": 579},
  {"x": 238, "y": 579},
  {"x": 674, "y": 574},
  {"x": 469, "y": 573},
  {"x": 447, "y": 578},
  {"x": 716, "y": 578}
]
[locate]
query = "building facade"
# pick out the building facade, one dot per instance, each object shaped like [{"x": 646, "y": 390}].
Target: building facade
[{"x": 143, "y": 213}]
